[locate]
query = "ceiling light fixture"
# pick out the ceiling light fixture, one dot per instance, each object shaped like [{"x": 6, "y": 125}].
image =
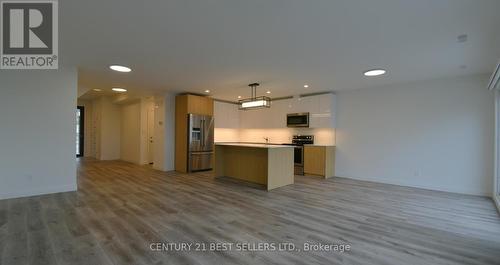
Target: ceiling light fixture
[
  {"x": 374, "y": 72},
  {"x": 120, "y": 68},
  {"x": 255, "y": 102},
  {"x": 268, "y": 92},
  {"x": 306, "y": 86},
  {"x": 207, "y": 91},
  {"x": 239, "y": 96},
  {"x": 119, "y": 89}
]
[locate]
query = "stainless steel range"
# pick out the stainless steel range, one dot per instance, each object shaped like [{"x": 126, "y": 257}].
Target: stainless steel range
[{"x": 299, "y": 141}]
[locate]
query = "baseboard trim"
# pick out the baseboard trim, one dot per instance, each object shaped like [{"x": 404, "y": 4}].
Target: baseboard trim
[
  {"x": 403, "y": 184},
  {"x": 38, "y": 191}
]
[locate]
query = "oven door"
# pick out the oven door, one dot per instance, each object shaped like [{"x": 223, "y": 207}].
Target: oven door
[
  {"x": 297, "y": 120},
  {"x": 298, "y": 155}
]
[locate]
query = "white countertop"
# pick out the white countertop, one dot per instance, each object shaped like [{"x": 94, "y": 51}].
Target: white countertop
[
  {"x": 254, "y": 145},
  {"x": 322, "y": 145}
]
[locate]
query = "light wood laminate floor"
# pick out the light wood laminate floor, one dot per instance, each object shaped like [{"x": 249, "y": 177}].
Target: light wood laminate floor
[{"x": 120, "y": 209}]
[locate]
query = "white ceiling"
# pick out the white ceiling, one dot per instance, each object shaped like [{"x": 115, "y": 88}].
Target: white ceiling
[{"x": 223, "y": 45}]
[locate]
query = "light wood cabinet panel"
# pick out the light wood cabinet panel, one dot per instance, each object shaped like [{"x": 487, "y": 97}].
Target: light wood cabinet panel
[
  {"x": 181, "y": 106},
  {"x": 270, "y": 167},
  {"x": 319, "y": 160},
  {"x": 199, "y": 105},
  {"x": 185, "y": 104},
  {"x": 314, "y": 160}
]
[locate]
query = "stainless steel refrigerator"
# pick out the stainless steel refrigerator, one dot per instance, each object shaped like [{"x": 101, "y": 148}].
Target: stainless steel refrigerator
[{"x": 200, "y": 142}]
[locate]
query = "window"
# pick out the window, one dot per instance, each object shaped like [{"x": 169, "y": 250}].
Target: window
[{"x": 80, "y": 117}]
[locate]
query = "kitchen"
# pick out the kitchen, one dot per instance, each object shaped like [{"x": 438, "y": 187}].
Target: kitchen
[
  {"x": 302, "y": 127},
  {"x": 320, "y": 126}
]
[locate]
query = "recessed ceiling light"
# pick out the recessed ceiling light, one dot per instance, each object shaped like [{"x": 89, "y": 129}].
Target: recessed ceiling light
[
  {"x": 97, "y": 89},
  {"x": 120, "y": 68},
  {"x": 268, "y": 92},
  {"x": 239, "y": 96},
  {"x": 306, "y": 86},
  {"x": 375, "y": 72},
  {"x": 119, "y": 89},
  {"x": 207, "y": 91}
]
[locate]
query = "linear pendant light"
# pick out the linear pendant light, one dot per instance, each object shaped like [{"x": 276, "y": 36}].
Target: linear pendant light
[{"x": 254, "y": 102}]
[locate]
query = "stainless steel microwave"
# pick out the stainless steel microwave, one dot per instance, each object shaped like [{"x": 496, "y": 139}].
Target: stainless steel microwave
[{"x": 297, "y": 119}]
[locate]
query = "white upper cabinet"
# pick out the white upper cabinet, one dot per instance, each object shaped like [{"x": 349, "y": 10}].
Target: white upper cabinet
[
  {"x": 309, "y": 104},
  {"x": 279, "y": 109},
  {"x": 325, "y": 115},
  {"x": 321, "y": 110},
  {"x": 226, "y": 115}
]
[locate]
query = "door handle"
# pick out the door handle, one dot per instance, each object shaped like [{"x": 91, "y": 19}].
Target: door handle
[
  {"x": 203, "y": 133},
  {"x": 202, "y": 153}
]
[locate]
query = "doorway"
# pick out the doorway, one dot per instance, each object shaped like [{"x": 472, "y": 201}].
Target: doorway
[
  {"x": 80, "y": 130},
  {"x": 150, "y": 131}
]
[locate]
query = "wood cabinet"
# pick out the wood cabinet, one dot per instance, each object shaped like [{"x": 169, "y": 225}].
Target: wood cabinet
[
  {"x": 270, "y": 166},
  {"x": 199, "y": 105},
  {"x": 319, "y": 160},
  {"x": 185, "y": 104}
]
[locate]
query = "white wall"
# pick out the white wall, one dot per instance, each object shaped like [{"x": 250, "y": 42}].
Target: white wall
[
  {"x": 164, "y": 132},
  {"x": 130, "y": 148},
  {"x": 108, "y": 128},
  {"x": 37, "y": 136},
  {"x": 496, "y": 178},
  {"x": 434, "y": 134}
]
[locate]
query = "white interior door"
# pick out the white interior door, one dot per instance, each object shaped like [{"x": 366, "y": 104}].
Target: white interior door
[{"x": 151, "y": 127}]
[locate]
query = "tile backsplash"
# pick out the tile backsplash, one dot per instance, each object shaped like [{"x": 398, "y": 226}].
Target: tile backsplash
[{"x": 321, "y": 136}]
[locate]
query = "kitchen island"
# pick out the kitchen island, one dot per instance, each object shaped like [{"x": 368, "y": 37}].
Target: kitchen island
[{"x": 264, "y": 164}]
